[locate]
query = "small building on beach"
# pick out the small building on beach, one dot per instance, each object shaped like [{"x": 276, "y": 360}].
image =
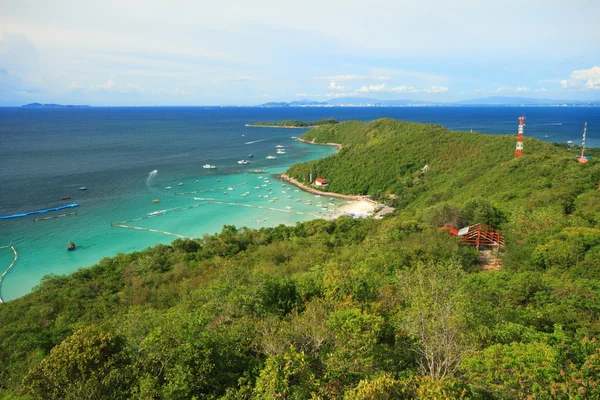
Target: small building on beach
[{"x": 321, "y": 182}]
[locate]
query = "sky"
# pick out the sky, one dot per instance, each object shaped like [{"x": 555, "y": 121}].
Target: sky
[{"x": 248, "y": 52}]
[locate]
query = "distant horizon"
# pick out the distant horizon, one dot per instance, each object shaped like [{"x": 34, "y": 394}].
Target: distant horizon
[
  {"x": 462, "y": 103},
  {"x": 249, "y": 53}
]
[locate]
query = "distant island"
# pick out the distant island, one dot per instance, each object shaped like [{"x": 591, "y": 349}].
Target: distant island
[
  {"x": 292, "y": 123},
  {"x": 39, "y": 105},
  {"x": 494, "y": 101}
]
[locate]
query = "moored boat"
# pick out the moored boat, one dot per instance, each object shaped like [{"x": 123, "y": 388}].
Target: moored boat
[
  {"x": 208, "y": 166},
  {"x": 71, "y": 246}
]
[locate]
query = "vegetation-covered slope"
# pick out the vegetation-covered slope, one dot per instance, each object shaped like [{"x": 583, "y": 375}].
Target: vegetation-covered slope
[
  {"x": 294, "y": 123},
  {"x": 386, "y": 157},
  {"x": 351, "y": 309}
]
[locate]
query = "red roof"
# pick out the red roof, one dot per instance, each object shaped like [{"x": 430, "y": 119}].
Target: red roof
[{"x": 320, "y": 180}]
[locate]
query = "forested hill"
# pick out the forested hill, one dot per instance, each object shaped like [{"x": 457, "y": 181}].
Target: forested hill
[
  {"x": 293, "y": 123},
  {"x": 386, "y": 157},
  {"x": 346, "y": 309}
]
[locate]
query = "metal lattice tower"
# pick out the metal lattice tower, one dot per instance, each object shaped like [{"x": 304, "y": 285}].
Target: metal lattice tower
[{"x": 519, "y": 150}]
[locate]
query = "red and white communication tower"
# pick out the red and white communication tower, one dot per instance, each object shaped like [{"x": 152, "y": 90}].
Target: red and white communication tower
[
  {"x": 519, "y": 150},
  {"x": 582, "y": 159}
]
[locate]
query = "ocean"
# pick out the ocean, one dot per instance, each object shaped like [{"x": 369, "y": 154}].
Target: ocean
[{"x": 48, "y": 154}]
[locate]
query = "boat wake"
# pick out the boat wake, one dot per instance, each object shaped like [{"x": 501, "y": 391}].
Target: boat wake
[
  {"x": 150, "y": 180},
  {"x": 256, "y": 141}
]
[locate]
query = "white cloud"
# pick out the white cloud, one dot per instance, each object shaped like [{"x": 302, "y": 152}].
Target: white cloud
[
  {"x": 108, "y": 85},
  {"x": 381, "y": 88},
  {"x": 436, "y": 89},
  {"x": 590, "y": 76},
  {"x": 583, "y": 79},
  {"x": 522, "y": 89},
  {"x": 335, "y": 86},
  {"x": 541, "y": 90},
  {"x": 373, "y": 88},
  {"x": 343, "y": 78},
  {"x": 408, "y": 89},
  {"x": 308, "y": 95}
]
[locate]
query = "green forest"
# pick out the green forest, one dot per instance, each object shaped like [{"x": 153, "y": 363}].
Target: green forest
[
  {"x": 391, "y": 308},
  {"x": 293, "y": 123}
]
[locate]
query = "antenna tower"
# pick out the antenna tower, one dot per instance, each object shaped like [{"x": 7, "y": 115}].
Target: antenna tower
[
  {"x": 519, "y": 150},
  {"x": 582, "y": 159}
]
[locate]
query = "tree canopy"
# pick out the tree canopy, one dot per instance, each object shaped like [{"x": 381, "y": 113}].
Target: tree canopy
[{"x": 345, "y": 309}]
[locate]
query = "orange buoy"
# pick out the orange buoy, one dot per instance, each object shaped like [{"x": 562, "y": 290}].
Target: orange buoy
[{"x": 155, "y": 200}]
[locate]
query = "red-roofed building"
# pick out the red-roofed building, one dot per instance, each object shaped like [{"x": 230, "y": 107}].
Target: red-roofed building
[{"x": 321, "y": 182}]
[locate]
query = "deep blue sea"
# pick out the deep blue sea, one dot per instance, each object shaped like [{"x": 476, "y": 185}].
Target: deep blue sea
[{"x": 47, "y": 154}]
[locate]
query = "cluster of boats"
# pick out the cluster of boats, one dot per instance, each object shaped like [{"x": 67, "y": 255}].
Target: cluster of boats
[{"x": 279, "y": 150}]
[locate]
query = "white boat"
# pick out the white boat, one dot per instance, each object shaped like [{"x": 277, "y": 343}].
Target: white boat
[
  {"x": 82, "y": 188},
  {"x": 269, "y": 157},
  {"x": 244, "y": 162},
  {"x": 281, "y": 152},
  {"x": 180, "y": 184},
  {"x": 168, "y": 187},
  {"x": 279, "y": 146},
  {"x": 208, "y": 166}
]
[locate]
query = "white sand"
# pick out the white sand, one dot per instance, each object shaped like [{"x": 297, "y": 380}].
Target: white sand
[{"x": 359, "y": 207}]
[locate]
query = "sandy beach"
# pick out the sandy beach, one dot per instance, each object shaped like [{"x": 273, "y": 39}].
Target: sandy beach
[
  {"x": 356, "y": 208},
  {"x": 357, "y": 205}
]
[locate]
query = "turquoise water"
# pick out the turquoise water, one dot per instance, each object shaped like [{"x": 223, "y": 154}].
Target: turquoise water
[
  {"x": 47, "y": 155},
  {"x": 128, "y": 193}
]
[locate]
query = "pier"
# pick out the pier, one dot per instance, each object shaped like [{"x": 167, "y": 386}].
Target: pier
[{"x": 16, "y": 255}]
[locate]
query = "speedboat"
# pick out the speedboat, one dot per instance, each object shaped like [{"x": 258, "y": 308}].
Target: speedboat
[
  {"x": 271, "y": 157},
  {"x": 250, "y": 155},
  {"x": 168, "y": 187},
  {"x": 82, "y": 188},
  {"x": 244, "y": 162},
  {"x": 281, "y": 152},
  {"x": 208, "y": 166},
  {"x": 279, "y": 146}
]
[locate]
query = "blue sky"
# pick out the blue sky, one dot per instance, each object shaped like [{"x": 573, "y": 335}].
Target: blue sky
[{"x": 227, "y": 52}]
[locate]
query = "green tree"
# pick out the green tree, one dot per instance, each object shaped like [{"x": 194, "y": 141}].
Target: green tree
[
  {"x": 286, "y": 376},
  {"x": 435, "y": 316},
  {"x": 90, "y": 364}
]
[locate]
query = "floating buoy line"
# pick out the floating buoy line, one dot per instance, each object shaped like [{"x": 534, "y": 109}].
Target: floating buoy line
[{"x": 16, "y": 256}]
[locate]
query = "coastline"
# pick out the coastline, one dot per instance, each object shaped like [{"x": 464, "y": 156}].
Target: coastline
[
  {"x": 275, "y": 126},
  {"x": 357, "y": 205},
  {"x": 339, "y": 146}
]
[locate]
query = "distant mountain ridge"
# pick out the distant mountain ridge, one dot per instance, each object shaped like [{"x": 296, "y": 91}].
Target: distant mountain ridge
[
  {"x": 52, "y": 105},
  {"x": 485, "y": 101}
]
